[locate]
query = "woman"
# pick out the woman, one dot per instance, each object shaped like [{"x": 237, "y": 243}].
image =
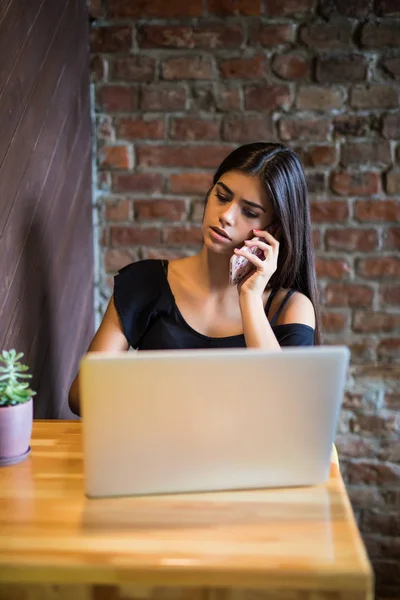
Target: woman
[{"x": 258, "y": 198}]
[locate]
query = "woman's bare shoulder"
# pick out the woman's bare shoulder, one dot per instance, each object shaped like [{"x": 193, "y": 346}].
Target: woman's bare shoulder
[{"x": 298, "y": 309}]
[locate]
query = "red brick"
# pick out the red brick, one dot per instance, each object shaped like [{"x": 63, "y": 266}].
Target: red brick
[
  {"x": 315, "y": 156},
  {"x": 178, "y": 36},
  {"x": 272, "y": 35},
  {"x": 379, "y": 268},
  {"x": 322, "y": 155},
  {"x": 197, "y": 211},
  {"x": 393, "y": 182},
  {"x": 374, "y": 96},
  {"x": 377, "y": 425},
  {"x": 390, "y": 294},
  {"x": 117, "y": 98},
  {"x": 362, "y": 352},
  {"x": 331, "y": 268},
  {"x": 117, "y": 209},
  {"x": 182, "y": 235},
  {"x": 96, "y": 9},
  {"x": 291, "y": 66},
  {"x": 392, "y": 66},
  {"x": 160, "y": 209},
  {"x": 389, "y": 350},
  {"x": 137, "y": 182},
  {"x": 378, "y": 372},
  {"x": 314, "y": 97},
  {"x": 316, "y": 239},
  {"x": 179, "y": 9},
  {"x": 316, "y": 183},
  {"x": 381, "y": 34},
  {"x": 286, "y": 8},
  {"x": 316, "y": 128},
  {"x": 388, "y": 8},
  {"x": 374, "y": 322},
  {"x": 249, "y": 8},
  {"x": 377, "y": 210},
  {"x": 348, "y": 294},
  {"x": 130, "y": 235},
  {"x": 163, "y": 252},
  {"x": 247, "y": 128},
  {"x": 372, "y": 473},
  {"x": 391, "y": 126},
  {"x": 190, "y": 183},
  {"x": 354, "y": 446},
  {"x": 391, "y": 238},
  {"x": 115, "y": 259},
  {"x": 267, "y": 97},
  {"x": 141, "y": 128},
  {"x": 352, "y": 240},
  {"x": 133, "y": 68},
  {"x": 329, "y": 212},
  {"x": 343, "y": 68},
  {"x": 357, "y": 9},
  {"x": 356, "y": 125},
  {"x": 205, "y": 156},
  {"x": 356, "y": 184},
  {"x": 227, "y": 98},
  {"x": 334, "y": 35},
  {"x": 115, "y": 157},
  {"x": 333, "y": 322},
  {"x": 365, "y": 154},
  {"x": 98, "y": 68},
  {"x": 192, "y": 129},
  {"x": 161, "y": 97},
  {"x": 392, "y": 401},
  {"x": 112, "y": 38},
  {"x": 243, "y": 68},
  {"x": 202, "y": 98},
  {"x": 183, "y": 67}
]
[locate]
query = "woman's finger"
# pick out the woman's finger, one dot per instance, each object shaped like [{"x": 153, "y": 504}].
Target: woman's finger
[
  {"x": 262, "y": 233},
  {"x": 259, "y": 244},
  {"x": 257, "y": 262}
]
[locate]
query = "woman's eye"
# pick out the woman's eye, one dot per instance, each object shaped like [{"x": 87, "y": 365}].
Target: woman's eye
[
  {"x": 250, "y": 214},
  {"x": 222, "y": 198}
]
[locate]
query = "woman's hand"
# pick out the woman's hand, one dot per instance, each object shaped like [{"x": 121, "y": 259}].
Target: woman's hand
[{"x": 255, "y": 283}]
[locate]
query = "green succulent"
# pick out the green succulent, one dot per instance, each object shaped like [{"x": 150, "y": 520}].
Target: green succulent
[{"x": 13, "y": 390}]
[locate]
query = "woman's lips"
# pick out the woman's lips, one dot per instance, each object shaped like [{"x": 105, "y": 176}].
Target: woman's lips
[{"x": 220, "y": 234}]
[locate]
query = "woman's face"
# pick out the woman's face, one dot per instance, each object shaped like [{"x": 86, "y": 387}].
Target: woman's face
[{"x": 237, "y": 204}]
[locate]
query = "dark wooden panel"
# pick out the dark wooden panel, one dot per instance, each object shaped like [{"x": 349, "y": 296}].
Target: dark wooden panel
[
  {"x": 20, "y": 147},
  {"x": 46, "y": 246},
  {"x": 32, "y": 191},
  {"x": 49, "y": 226},
  {"x": 16, "y": 19}
]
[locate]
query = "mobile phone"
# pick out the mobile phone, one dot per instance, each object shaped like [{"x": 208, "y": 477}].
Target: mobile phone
[{"x": 240, "y": 266}]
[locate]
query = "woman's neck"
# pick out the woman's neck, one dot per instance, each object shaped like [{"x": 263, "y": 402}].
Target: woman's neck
[{"x": 213, "y": 269}]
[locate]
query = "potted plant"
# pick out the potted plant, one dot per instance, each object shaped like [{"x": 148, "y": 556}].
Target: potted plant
[{"x": 16, "y": 408}]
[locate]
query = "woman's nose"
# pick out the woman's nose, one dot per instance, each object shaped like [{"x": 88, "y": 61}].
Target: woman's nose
[{"x": 227, "y": 217}]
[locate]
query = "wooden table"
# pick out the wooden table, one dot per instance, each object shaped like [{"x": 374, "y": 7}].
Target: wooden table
[{"x": 298, "y": 543}]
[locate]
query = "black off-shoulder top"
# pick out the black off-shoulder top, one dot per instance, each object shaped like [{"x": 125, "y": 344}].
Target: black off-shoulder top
[{"x": 151, "y": 319}]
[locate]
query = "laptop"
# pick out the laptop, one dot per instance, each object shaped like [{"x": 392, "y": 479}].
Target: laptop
[{"x": 172, "y": 421}]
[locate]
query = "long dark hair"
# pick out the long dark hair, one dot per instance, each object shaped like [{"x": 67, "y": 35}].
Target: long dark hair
[{"x": 280, "y": 170}]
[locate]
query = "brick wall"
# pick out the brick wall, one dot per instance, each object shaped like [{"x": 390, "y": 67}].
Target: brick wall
[{"x": 179, "y": 84}]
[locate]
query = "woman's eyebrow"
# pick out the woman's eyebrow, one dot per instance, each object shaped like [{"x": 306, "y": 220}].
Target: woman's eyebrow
[{"x": 246, "y": 201}]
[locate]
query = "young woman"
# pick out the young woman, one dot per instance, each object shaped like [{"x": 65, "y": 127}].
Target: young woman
[{"x": 258, "y": 198}]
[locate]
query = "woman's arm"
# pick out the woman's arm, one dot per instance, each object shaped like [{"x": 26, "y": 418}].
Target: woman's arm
[
  {"x": 256, "y": 327},
  {"x": 109, "y": 337}
]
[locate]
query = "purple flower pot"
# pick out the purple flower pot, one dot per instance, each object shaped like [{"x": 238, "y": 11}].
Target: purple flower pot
[{"x": 15, "y": 432}]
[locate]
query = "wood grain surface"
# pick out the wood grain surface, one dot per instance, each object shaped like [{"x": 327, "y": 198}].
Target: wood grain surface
[{"x": 291, "y": 543}]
